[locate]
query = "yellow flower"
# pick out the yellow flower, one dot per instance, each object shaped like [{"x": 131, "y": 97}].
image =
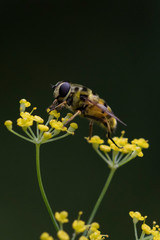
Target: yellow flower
[
  {"x": 45, "y": 236},
  {"x": 105, "y": 148},
  {"x": 155, "y": 234},
  {"x": 26, "y": 115},
  {"x": 65, "y": 119},
  {"x": 24, "y": 122},
  {"x": 136, "y": 216},
  {"x": 94, "y": 226},
  {"x": 83, "y": 238},
  {"x": 141, "y": 142},
  {"x": 43, "y": 128},
  {"x": 38, "y": 119},
  {"x": 95, "y": 139},
  {"x": 8, "y": 124},
  {"x": 57, "y": 125},
  {"x": 140, "y": 154},
  {"x": 54, "y": 113},
  {"x": 128, "y": 148},
  {"x": 113, "y": 146},
  {"x": 146, "y": 229},
  {"x": 79, "y": 226},
  {"x": 27, "y": 104},
  {"x": 23, "y": 104},
  {"x": 47, "y": 135},
  {"x": 62, "y": 216},
  {"x": 73, "y": 126},
  {"x": 120, "y": 141},
  {"x": 95, "y": 235},
  {"x": 156, "y": 237},
  {"x": 62, "y": 235}
]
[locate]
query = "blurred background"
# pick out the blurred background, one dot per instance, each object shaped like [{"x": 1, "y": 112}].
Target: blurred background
[{"x": 113, "y": 48}]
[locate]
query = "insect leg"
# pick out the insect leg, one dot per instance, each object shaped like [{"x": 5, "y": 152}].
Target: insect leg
[
  {"x": 109, "y": 136},
  {"x": 54, "y": 106},
  {"x": 90, "y": 128},
  {"x": 71, "y": 118}
]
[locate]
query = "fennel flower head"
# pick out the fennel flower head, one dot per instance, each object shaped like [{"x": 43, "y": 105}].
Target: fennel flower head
[
  {"x": 45, "y": 131},
  {"x": 119, "y": 151}
]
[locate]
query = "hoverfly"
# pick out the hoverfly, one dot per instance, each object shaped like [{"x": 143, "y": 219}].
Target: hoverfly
[{"x": 82, "y": 101}]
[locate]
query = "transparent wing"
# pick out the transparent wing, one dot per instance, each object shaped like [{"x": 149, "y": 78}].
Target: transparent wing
[{"x": 104, "y": 109}]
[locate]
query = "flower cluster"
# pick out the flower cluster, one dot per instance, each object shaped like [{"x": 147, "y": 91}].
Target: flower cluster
[
  {"x": 147, "y": 232},
  {"x": 44, "y": 132},
  {"x": 88, "y": 232},
  {"x": 122, "y": 150}
]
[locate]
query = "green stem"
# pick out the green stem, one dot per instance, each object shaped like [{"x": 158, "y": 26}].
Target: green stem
[
  {"x": 135, "y": 231},
  {"x": 57, "y": 138},
  {"x": 74, "y": 236},
  {"x": 21, "y": 136},
  {"x": 142, "y": 236},
  {"x": 42, "y": 189},
  {"x": 108, "y": 161},
  {"x": 148, "y": 237},
  {"x": 104, "y": 190}
]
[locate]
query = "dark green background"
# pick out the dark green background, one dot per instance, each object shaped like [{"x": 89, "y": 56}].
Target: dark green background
[{"x": 113, "y": 48}]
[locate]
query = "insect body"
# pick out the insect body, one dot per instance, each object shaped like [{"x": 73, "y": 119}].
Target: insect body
[{"x": 82, "y": 101}]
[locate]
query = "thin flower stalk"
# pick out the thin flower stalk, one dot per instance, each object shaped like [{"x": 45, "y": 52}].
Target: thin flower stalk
[{"x": 44, "y": 133}]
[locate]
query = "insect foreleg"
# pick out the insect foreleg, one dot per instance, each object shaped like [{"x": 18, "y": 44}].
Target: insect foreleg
[
  {"x": 73, "y": 116},
  {"x": 55, "y": 105}
]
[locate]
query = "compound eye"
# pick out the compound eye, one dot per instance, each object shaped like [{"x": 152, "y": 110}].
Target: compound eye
[{"x": 64, "y": 89}]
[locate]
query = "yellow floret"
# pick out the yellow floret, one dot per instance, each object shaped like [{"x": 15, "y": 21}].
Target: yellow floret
[
  {"x": 74, "y": 125},
  {"x": 43, "y": 128},
  {"x": 27, "y": 104},
  {"x": 105, "y": 148},
  {"x": 38, "y": 119},
  {"x": 26, "y": 115},
  {"x": 146, "y": 228},
  {"x": 141, "y": 142},
  {"x": 140, "y": 154},
  {"x": 94, "y": 226},
  {"x": 95, "y": 139},
  {"x": 8, "y": 124},
  {"x": 128, "y": 148},
  {"x": 47, "y": 135},
  {"x": 45, "y": 236},
  {"x": 62, "y": 216},
  {"x": 79, "y": 226},
  {"x": 72, "y": 128},
  {"x": 54, "y": 113},
  {"x": 96, "y": 235},
  {"x": 24, "y": 122},
  {"x": 83, "y": 238},
  {"x": 23, "y": 104},
  {"x": 57, "y": 125},
  {"x": 136, "y": 215},
  {"x": 62, "y": 235}
]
